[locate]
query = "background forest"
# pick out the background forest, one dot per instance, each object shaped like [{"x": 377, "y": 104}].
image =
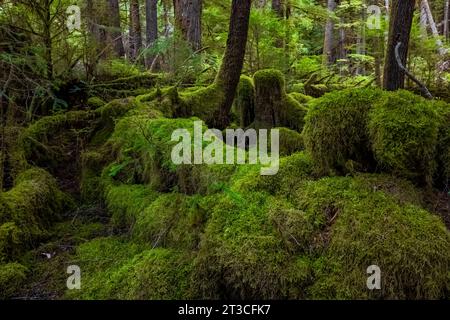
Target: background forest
[{"x": 91, "y": 91}]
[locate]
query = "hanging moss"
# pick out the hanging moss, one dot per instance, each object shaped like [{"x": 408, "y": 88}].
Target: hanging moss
[
  {"x": 404, "y": 131},
  {"x": 12, "y": 279},
  {"x": 336, "y": 131},
  {"x": 245, "y": 101}
]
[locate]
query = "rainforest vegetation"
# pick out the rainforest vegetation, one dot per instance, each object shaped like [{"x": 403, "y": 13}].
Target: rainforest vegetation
[{"x": 91, "y": 92}]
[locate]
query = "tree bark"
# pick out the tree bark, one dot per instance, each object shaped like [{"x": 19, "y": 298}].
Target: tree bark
[
  {"x": 434, "y": 30},
  {"x": 277, "y": 7},
  {"x": 188, "y": 20},
  {"x": 233, "y": 61},
  {"x": 329, "y": 46},
  {"x": 402, "y": 12},
  {"x": 446, "y": 17},
  {"x": 116, "y": 31},
  {"x": 151, "y": 17},
  {"x": 135, "y": 30}
]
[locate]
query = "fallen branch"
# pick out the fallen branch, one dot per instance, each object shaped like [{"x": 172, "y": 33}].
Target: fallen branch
[{"x": 423, "y": 88}]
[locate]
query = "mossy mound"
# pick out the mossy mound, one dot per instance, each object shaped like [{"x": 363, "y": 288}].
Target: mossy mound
[
  {"x": 95, "y": 102},
  {"x": 404, "y": 131},
  {"x": 361, "y": 227},
  {"x": 144, "y": 152},
  {"x": 45, "y": 143},
  {"x": 273, "y": 107},
  {"x": 300, "y": 97},
  {"x": 290, "y": 142},
  {"x": 336, "y": 131},
  {"x": 443, "y": 150},
  {"x": 27, "y": 211},
  {"x": 12, "y": 279},
  {"x": 114, "y": 269},
  {"x": 242, "y": 256},
  {"x": 293, "y": 171}
]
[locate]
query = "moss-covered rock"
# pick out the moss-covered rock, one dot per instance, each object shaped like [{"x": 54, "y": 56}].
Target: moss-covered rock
[
  {"x": 12, "y": 278},
  {"x": 336, "y": 132},
  {"x": 404, "y": 130}
]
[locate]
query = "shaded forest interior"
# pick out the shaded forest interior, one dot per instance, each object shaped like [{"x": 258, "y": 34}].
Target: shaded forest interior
[{"x": 91, "y": 92}]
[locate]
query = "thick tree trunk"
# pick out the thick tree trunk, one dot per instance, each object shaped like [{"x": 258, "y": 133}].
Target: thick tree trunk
[
  {"x": 188, "y": 20},
  {"x": 402, "y": 12},
  {"x": 135, "y": 30},
  {"x": 116, "y": 31},
  {"x": 329, "y": 46},
  {"x": 151, "y": 18},
  {"x": 233, "y": 61}
]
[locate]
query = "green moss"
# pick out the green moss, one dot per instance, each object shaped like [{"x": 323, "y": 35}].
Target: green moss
[
  {"x": 32, "y": 206},
  {"x": 443, "y": 150},
  {"x": 360, "y": 227},
  {"x": 44, "y": 142},
  {"x": 335, "y": 132},
  {"x": 404, "y": 131},
  {"x": 300, "y": 97},
  {"x": 172, "y": 220},
  {"x": 202, "y": 103},
  {"x": 241, "y": 254},
  {"x": 95, "y": 102},
  {"x": 245, "y": 101},
  {"x": 293, "y": 171},
  {"x": 127, "y": 202},
  {"x": 114, "y": 269},
  {"x": 290, "y": 141},
  {"x": 12, "y": 278},
  {"x": 273, "y": 106}
]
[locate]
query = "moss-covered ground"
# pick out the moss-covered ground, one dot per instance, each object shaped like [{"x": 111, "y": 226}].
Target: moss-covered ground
[{"x": 355, "y": 186}]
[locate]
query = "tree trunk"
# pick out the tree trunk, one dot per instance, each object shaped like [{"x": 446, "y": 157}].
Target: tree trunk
[
  {"x": 329, "y": 46},
  {"x": 151, "y": 18},
  {"x": 233, "y": 61},
  {"x": 116, "y": 31},
  {"x": 135, "y": 30},
  {"x": 188, "y": 20},
  {"x": 277, "y": 7},
  {"x": 446, "y": 16},
  {"x": 434, "y": 30},
  {"x": 402, "y": 12}
]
